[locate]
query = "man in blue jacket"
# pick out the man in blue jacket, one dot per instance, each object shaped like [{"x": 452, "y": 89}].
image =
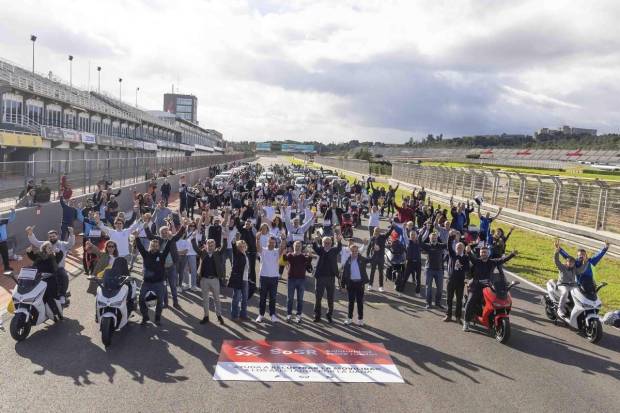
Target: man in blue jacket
[
  {"x": 4, "y": 235},
  {"x": 586, "y": 279}
]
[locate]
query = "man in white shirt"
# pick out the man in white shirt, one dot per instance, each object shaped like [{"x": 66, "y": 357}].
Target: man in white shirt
[
  {"x": 269, "y": 276},
  {"x": 373, "y": 219},
  {"x": 120, "y": 235},
  {"x": 296, "y": 232}
]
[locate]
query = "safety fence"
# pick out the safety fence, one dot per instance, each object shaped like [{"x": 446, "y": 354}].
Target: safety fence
[
  {"x": 355, "y": 165},
  {"x": 82, "y": 175},
  {"x": 584, "y": 202}
]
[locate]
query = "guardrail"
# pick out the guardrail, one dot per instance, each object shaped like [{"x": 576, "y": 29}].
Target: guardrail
[{"x": 84, "y": 174}]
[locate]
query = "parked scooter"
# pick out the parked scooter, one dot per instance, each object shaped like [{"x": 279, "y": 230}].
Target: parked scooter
[
  {"x": 30, "y": 307},
  {"x": 494, "y": 313},
  {"x": 114, "y": 306},
  {"x": 582, "y": 306}
]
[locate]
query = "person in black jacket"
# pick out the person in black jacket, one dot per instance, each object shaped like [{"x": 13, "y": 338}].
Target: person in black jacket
[
  {"x": 46, "y": 262},
  {"x": 458, "y": 267},
  {"x": 376, "y": 253},
  {"x": 247, "y": 233},
  {"x": 154, "y": 272},
  {"x": 325, "y": 273},
  {"x": 434, "y": 269},
  {"x": 165, "y": 191},
  {"x": 239, "y": 279},
  {"x": 165, "y": 238},
  {"x": 413, "y": 266},
  {"x": 483, "y": 268},
  {"x": 211, "y": 272},
  {"x": 354, "y": 277}
]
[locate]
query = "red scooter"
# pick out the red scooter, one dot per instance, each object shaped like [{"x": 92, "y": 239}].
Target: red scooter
[{"x": 494, "y": 314}]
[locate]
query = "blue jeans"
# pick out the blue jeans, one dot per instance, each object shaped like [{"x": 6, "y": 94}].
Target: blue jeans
[
  {"x": 172, "y": 277},
  {"x": 295, "y": 285},
  {"x": 268, "y": 286},
  {"x": 240, "y": 295},
  {"x": 159, "y": 289},
  {"x": 436, "y": 275}
]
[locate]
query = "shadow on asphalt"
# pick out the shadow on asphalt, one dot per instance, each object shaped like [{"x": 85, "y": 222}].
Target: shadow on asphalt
[{"x": 537, "y": 344}]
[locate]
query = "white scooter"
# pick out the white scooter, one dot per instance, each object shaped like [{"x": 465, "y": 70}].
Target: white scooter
[
  {"x": 112, "y": 309},
  {"x": 582, "y": 307},
  {"x": 30, "y": 309}
]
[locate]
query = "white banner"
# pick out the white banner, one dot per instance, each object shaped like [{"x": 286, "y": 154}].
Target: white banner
[
  {"x": 247, "y": 360},
  {"x": 334, "y": 373}
]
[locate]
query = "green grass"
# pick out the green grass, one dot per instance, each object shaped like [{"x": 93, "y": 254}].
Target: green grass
[
  {"x": 576, "y": 172},
  {"x": 535, "y": 259}
]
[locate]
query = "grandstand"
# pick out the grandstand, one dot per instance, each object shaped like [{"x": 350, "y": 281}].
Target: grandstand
[
  {"x": 62, "y": 114},
  {"x": 556, "y": 158}
]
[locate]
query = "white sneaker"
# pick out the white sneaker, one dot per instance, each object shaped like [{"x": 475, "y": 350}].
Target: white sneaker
[
  {"x": 381, "y": 289},
  {"x": 62, "y": 299},
  {"x": 274, "y": 318},
  {"x": 465, "y": 326},
  {"x": 348, "y": 321},
  {"x": 369, "y": 287},
  {"x": 298, "y": 319},
  {"x": 360, "y": 322},
  {"x": 289, "y": 318},
  {"x": 259, "y": 319},
  {"x": 181, "y": 288}
]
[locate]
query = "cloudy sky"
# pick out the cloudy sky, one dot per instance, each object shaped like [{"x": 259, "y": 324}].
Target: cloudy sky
[{"x": 336, "y": 70}]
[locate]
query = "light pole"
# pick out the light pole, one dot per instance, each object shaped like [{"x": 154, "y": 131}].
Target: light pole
[
  {"x": 137, "y": 89},
  {"x": 98, "y": 79},
  {"x": 33, "y": 39},
  {"x": 120, "y": 89},
  {"x": 70, "y": 70}
]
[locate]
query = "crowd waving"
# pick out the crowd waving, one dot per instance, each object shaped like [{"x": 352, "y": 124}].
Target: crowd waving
[{"x": 244, "y": 230}]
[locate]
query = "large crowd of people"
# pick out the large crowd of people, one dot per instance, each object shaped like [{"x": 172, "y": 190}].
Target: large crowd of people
[{"x": 285, "y": 224}]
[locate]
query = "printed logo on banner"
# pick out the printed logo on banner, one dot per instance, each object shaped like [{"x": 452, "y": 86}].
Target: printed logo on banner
[
  {"x": 247, "y": 351},
  {"x": 71, "y": 136},
  {"x": 260, "y": 360}
]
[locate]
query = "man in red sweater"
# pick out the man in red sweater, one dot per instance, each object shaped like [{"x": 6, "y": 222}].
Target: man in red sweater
[
  {"x": 298, "y": 263},
  {"x": 406, "y": 213}
]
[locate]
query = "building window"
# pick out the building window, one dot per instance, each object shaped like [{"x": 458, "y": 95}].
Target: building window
[
  {"x": 69, "y": 120},
  {"x": 184, "y": 101},
  {"x": 53, "y": 116},
  {"x": 83, "y": 122},
  {"x": 95, "y": 124},
  {"x": 11, "y": 108},
  {"x": 34, "y": 110}
]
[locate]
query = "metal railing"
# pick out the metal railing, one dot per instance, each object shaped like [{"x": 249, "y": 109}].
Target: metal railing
[
  {"x": 84, "y": 174},
  {"x": 590, "y": 203},
  {"x": 355, "y": 165}
]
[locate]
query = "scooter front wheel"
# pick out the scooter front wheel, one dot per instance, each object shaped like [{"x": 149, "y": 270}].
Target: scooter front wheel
[
  {"x": 107, "y": 329},
  {"x": 550, "y": 312},
  {"x": 502, "y": 330},
  {"x": 20, "y": 327},
  {"x": 594, "y": 332}
]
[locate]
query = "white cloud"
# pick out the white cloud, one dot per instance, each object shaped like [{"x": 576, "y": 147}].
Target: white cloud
[{"x": 326, "y": 70}]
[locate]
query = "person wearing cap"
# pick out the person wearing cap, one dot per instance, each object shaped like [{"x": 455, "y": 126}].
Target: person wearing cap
[{"x": 57, "y": 245}]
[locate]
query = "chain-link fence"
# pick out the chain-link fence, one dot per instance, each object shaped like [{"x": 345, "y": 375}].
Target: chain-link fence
[
  {"x": 82, "y": 175},
  {"x": 595, "y": 204},
  {"x": 354, "y": 165}
]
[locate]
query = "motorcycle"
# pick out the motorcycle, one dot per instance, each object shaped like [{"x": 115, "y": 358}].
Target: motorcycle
[
  {"x": 582, "y": 306},
  {"x": 113, "y": 308},
  {"x": 355, "y": 214},
  {"x": 346, "y": 226},
  {"x": 494, "y": 313},
  {"x": 30, "y": 307}
]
